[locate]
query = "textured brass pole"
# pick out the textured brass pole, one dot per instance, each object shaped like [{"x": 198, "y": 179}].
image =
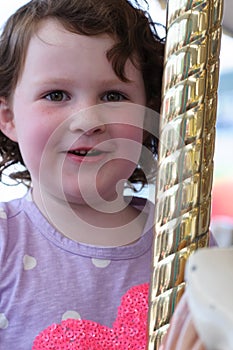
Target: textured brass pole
[{"x": 187, "y": 137}]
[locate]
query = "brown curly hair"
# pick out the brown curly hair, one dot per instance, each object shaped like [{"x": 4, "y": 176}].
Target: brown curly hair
[{"x": 136, "y": 37}]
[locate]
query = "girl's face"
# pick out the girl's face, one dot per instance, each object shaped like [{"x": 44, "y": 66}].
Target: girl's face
[{"x": 79, "y": 127}]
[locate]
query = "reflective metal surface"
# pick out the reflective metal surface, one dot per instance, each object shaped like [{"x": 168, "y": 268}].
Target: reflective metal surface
[{"x": 187, "y": 138}]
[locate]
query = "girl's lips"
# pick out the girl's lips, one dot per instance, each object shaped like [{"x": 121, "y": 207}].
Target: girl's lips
[{"x": 86, "y": 154}]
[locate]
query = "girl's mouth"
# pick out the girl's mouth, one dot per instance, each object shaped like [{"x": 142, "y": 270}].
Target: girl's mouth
[{"x": 86, "y": 153}]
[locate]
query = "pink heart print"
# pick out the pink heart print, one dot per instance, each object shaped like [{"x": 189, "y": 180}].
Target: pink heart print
[{"x": 129, "y": 329}]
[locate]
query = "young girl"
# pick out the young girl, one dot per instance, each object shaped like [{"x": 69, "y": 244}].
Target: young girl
[{"x": 75, "y": 80}]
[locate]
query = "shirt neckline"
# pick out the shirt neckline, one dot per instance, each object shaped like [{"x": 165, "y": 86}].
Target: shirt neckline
[{"x": 114, "y": 253}]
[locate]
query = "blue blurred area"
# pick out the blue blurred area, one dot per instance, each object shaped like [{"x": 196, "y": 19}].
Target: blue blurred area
[
  {"x": 224, "y": 128},
  {"x": 225, "y": 102}
]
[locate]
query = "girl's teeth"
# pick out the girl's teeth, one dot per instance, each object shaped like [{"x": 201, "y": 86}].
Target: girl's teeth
[{"x": 83, "y": 153}]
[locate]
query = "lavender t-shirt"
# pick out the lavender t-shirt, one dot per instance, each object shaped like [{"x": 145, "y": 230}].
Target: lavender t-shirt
[{"x": 46, "y": 277}]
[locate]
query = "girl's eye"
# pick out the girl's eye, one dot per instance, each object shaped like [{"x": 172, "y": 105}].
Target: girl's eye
[
  {"x": 114, "y": 96},
  {"x": 56, "y": 96}
]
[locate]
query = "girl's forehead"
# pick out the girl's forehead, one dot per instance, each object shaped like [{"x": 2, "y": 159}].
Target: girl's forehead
[
  {"x": 52, "y": 31},
  {"x": 54, "y": 45}
]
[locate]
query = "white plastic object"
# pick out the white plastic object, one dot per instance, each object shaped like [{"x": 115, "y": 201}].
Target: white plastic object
[{"x": 209, "y": 276}]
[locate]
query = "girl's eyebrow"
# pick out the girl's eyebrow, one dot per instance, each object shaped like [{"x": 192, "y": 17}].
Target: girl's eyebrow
[
  {"x": 67, "y": 81},
  {"x": 52, "y": 80},
  {"x": 116, "y": 81}
]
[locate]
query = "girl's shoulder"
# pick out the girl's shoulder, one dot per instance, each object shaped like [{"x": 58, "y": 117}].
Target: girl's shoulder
[
  {"x": 12, "y": 208},
  {"x": 14, "y": 221}
]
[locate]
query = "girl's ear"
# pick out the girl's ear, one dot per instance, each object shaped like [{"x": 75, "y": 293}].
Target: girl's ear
[{"x": 7, "y": 124}]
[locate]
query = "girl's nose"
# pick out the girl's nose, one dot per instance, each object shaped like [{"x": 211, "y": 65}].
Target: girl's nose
[
  {"x": 88, "y": 122},
  {"x": 98, "y": 129}
]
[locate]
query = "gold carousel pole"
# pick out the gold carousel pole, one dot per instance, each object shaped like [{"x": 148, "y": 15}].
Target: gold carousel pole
[{"x": 187, "y": 138}]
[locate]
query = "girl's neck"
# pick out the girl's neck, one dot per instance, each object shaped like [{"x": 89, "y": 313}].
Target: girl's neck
[{"x": 117, "y": 224}]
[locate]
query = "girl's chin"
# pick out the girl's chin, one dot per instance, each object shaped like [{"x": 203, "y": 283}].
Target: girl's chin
[
  {"x": 84, "y": 198},
  {"x": 87, "y": 190}
]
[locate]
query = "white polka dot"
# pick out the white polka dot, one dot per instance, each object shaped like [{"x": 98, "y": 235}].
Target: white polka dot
[
  {"x": 101, "y": 263},
  {"x": 3, "y": 321},
  {"x": 29, "y": 262},
  {"x": 71, "y": 314},
  {"x": 3, "y": 214}
]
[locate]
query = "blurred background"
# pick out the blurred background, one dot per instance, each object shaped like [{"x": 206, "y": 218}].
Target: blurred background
[{"x": 222, "y": 197}]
